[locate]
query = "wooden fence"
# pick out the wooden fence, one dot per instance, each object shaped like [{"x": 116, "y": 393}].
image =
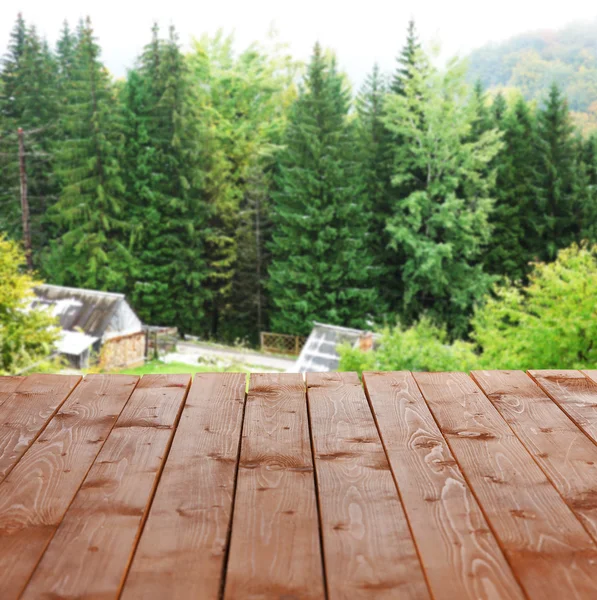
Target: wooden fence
[{"x": 279, "y": 343}]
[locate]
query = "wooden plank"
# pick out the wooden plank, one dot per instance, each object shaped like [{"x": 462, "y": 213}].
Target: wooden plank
[
  {"x": 560, "y": 448},
  {"x": 549, "y": 550},
  {"x": 38, "y": 491},
  {"x": 591, "y": 374},
  {"x": 576, "y": 395},
  {"x": 91, "y": 550},
  {"x": 9, "y": 384},
  {"x": 26, "y": 411},
  {"x": 183, "y": 547},
  {"x": 275, "y": 548},
  {"x": 452, "y": 535},
  {"x": 368, "y": 548}
]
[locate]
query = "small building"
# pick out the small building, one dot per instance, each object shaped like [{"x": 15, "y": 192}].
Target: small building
[
  {"x": 320, "y": 352},
  {"x": 96, "y": 326}
]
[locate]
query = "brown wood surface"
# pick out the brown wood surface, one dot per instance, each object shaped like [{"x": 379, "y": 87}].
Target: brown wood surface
[
  {"x": 26, "y": 411},
  {"x": 575, "y": 393},
  {"x": 8, "y": 384},
  {"x": 549, "y": 550},
  {"x": 591, "y": 374},
  {"x": 560, "y": 448},
  {"x": 453, "y": 538},
  {"x": 275, "y": 547},
  {"x": 183, "y": 547},
  {"x": 368, "y": 548},
  {"x": 36, "y": 494},
  {"x": 90, "y": 552}
]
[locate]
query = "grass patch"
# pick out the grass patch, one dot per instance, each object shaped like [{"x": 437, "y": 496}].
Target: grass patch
[{"x": 157, "y": 367}]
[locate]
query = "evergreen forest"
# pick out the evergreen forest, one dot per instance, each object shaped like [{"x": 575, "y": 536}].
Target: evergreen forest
[{"x": 229, "y": 192}]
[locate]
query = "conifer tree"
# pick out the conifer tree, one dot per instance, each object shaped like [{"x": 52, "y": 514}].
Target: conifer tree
[
  {"x": 557, "y": 208},
  {"x": 407, "y": 60},
  {"x": 376, "y": 151},
  {"x": 163, "y": 158},
  {"x": 499, "y": 108},
  {"x": 513, "y": 218},
  {"x": 320, "y": 261},
  {"x": 29, "y": 103},
  {"x": 91, "y": 228}
]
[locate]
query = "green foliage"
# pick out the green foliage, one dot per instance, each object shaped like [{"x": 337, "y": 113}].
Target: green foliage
[
  {"x": 557, "y": 216},
  {"x": 89, "y": 246},
  {"x": 321, "y": 262},
  {"x": 408, "y": 60},
  {"x": 243, "y": 104},
  {"x": 442, "y": 227},
  {"x": 165, "y": 180},
  {"x": 514, "y": 217},
  {"x": 548, "y": 324},
  {"x": 28, "y": 101},
  {"x": 422, "y": 347},
  {"x": 26, "y": 335}
]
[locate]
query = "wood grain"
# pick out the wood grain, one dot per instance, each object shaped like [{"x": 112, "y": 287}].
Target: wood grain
[
  {"x": 560, "y": 448},
  {"x": 92, "y": 548},
  {"x": 26, "y": 411},
  {"x": 452, "y": 535},
  {"x": 574, "y": 393},
  {"x": 183, "y": 546},
  {"x": 549, "y": 550},
  {"x": 591, "y": 374},
  {"x": 36, "y": 494},
  {"x": 9, "y": 384},
  {"x": 275, "y": 547},
  {"x": 368, "y": 548}
]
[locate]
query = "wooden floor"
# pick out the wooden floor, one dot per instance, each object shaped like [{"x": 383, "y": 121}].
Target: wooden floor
[{"x": 416, "y": 486}]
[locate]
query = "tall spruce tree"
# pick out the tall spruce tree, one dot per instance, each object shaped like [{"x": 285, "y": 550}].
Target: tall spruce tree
[
  {"x": 320, "y": 259},
  {"x": 376, "y": 152},
  {"x": 407, "y": 60},
  {"x": 513, "y": 218},
  {"x": 163, "y": 158},
  {"x": 443, "y": 227},
  {"x": 29, "y": 103},
  {"x": 89, "y": 249},
  {"x": 557, "y": 208}
]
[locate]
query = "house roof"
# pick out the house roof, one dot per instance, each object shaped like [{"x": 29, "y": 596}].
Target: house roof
[
  {"x": 88, "y": 310},
  {"x": 74, "y": 342}
]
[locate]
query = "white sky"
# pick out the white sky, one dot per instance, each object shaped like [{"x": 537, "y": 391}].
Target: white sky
[{"x": 360, "y": 31}]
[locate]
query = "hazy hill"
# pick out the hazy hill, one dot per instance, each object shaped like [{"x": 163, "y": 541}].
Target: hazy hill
[{"x": 532, "y": 61}]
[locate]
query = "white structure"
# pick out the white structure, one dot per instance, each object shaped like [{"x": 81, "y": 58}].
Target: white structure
[{"x": 320, "y": 354}]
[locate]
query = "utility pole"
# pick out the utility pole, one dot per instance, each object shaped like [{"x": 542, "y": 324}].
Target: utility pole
[{"x": 24, "y": 201}]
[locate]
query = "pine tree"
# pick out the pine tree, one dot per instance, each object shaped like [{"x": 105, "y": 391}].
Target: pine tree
[
  {"x": 163, "y": 158},
  {"x": 320, "y": 262},
  {"x": 585, "y": 188},
  {"x": 499, "y": 108},
  {"x": 90, "y": 246},
  {"x": 482, "y": 120},
  {"x": 514, "y": 214},
  {"x": 376, "y": 149},
  {"x": 441, "y": 228},
  {"x": 557, "y": 210},
  {"x": 29, "y": 103},
  {"x": 407, "y": 60}
]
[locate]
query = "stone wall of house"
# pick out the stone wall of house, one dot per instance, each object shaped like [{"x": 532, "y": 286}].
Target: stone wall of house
[{"x": 124, "y": 351}]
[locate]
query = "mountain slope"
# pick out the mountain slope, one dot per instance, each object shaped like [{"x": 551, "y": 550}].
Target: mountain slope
[{"x": 532, "y": 61}]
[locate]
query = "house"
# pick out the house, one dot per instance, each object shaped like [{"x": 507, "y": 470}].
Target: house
[
  {"x": 94, "y": 324},
  {"x": 320, "y": 352}
]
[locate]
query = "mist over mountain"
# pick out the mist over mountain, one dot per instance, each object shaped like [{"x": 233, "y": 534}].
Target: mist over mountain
[{"x": 532, "y": 61}]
